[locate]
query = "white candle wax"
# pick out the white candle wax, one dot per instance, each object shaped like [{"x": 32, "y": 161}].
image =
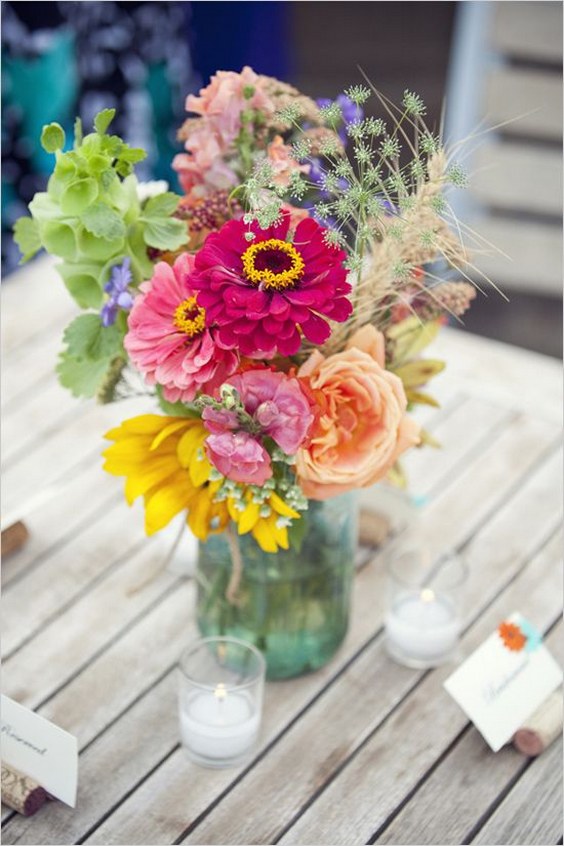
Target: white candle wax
[
  {"x": 219, "y": 727},
  {"x": 422, "y": 626}
]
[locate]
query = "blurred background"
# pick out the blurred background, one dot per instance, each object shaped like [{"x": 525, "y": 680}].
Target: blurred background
[{"x": 495, "y": 65}]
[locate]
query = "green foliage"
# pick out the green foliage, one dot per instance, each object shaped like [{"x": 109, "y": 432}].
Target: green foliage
[
  {"x": 88, "y": 362},
  {"x": 176, "y": 409},
  {"x": 161, "y": 230},
  {"x": 90, "y": 216},
  {"x": 52, "y": 138},
  {"x": 26, "y": 236},
  {"x": 81, "y": 376}
]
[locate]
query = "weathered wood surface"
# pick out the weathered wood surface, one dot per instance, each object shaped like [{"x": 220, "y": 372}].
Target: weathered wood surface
[{"x": 363, "y": 750}]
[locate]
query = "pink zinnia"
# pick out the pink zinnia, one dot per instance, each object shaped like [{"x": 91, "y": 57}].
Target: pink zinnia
[
  {"x": 169, "y": 340},
  {"x": 240, "y": 457},
  {"x": 265, "y": 293}
]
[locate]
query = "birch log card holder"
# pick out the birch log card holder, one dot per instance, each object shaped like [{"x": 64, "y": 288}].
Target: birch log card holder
[
  {"x": 505, "y": 680},
  {"x": 38, "y": 759}
]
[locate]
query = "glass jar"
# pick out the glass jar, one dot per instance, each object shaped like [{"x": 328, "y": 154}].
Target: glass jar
[{"x": 293, "y": 605}]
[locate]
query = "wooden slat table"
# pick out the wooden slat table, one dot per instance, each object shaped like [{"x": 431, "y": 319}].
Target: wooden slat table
[{"x": 363, "y": 751}]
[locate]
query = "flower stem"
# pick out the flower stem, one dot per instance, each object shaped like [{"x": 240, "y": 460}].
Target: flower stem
[{"x": 237, "y": 566}]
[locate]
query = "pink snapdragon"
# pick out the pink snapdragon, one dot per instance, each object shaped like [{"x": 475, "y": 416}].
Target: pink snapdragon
[
  {"x": 240, "y": 457},
  {"x": 277, "y": 403}
]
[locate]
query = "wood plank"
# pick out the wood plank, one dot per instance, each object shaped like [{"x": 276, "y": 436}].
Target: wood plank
[
  {"x": 49, "y": 305},
  {"x": 51, "y": 404},
  {"x": 175, "y": 780},
  {"x": 48, "y": 530},
  {"x": 55, "y": 459},
  {"x": 518, "y": 177},
  {"x": 532, "y": 812},
  {"x": 469, "y": 426},
  {"x": 508, "y": 376},
  {"x": 111, "y": 751},
  {"x": 465, "y": 786},
  {"x": 65, "y": 645},
  {"x": 75, "y": 568},
  {"x": 529, "y": 30},
  {"x": 378, "y": 777},
  {"x": 30, "y": 367},
  {"x": 528, "y": 102},
  {"x": 534, "y": 252}
]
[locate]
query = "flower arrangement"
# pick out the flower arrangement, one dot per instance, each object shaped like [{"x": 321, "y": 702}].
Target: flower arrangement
[{"x": 277, "y": 310}]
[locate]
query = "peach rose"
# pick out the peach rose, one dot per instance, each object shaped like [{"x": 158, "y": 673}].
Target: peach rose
[
  {"x": 363, "y": 427},
  {"x": 282, "y": 162},
  {"x": 223, "y": 100}
]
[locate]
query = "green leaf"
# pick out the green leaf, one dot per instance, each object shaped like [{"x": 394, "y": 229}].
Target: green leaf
[
  {"x": 415, "y": 339},
  {"x": 165, "y": 233},
  {"x": 427, "y": 439},
  {"x": 83, "y": 283},
  {"x": 419, "y": 398},
  {"x": 296, "y": 533},
  {"x": 78, "y": 133},
  {"x": 59, "y": 239},
  {"x": 176, "y": 409},
  {"x": 26, "y": 236},
  {"x": 87, "y": 338},
  {"x": 163, "y": 205},
  {"x": 81, "y": 376},
  {"x": 52, "y": 138},
  {"x": 104, "y": 222},
  {"x": 132, "y": 155},
  {"x": 103, "y": 120},
  {"x": 78, "y": 196},
  {"x": 418, "y": 372}
]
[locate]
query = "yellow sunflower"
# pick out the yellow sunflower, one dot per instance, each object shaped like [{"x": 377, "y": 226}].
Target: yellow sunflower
[
  {"x": 163, "y": 460},
  {"x": 266, "y": 530}
]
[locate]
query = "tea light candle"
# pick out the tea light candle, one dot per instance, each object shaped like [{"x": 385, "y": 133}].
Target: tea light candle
[
  {"x": 219, "y": 725},
  {"x": 221, "y": 682},
  {"x": 422, "y": 629}
]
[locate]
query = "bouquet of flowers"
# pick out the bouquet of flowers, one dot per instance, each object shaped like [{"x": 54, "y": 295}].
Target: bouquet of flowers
[{"x": 277, "y": 310}]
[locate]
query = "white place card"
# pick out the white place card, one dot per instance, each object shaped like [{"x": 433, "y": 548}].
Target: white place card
[
  {"x": 505, "y": 680},
  {"x": 39, "y": 749}
]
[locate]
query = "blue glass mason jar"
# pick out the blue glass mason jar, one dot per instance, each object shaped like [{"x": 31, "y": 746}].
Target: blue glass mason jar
[{"x": 292, "y": 605}]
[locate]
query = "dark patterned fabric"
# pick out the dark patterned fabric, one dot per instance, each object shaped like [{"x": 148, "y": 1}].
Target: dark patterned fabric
[{"x": 68, "y": 58}]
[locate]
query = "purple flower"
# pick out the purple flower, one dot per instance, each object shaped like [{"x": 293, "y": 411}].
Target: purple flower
[
  {"x": 118, "y": 295},
  {"x": 349, "y": 111}
]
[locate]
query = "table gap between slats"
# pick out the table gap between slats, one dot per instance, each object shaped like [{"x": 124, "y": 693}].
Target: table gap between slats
[{"x": 457, "y": 793}]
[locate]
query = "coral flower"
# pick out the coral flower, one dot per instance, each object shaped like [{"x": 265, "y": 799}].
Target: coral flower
[
  {"x": 363, "y": 427},
  {"x": 512, "y": 636},
  {"x": 168, "y": 339},
  {"x": 265, "y": 293},
  {"x": 162, "y": 459}
]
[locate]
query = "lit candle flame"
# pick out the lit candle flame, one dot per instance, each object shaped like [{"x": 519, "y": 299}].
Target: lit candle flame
[
  {"x": 427, "y": 595},
  {"x": 220, "y": 691}
]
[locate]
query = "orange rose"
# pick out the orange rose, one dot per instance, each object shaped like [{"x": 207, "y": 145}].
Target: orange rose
[{"x": 363, "y": 428}]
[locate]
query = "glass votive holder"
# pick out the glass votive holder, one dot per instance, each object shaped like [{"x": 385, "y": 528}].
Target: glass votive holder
[
  {"x": 424, "y": 617},
  {"x": 221, "y": 683}
]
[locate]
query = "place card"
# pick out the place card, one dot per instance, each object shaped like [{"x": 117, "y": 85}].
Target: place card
[
  {"x": 505, "y": 680},
  {"x": 40, "y": 750}
]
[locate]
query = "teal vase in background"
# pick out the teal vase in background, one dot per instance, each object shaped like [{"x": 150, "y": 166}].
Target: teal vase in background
[{"x": 294, "y": 606}]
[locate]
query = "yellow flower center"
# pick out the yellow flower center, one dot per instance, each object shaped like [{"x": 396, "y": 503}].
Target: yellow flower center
[
  {"x": 190, "y": 318},
  {"x": 273, "y": 264}
]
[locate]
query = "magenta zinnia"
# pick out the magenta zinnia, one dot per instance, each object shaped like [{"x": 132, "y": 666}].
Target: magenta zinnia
[
  {"x": 264, "y": 294},
  {"x": 169, "y": 340}
]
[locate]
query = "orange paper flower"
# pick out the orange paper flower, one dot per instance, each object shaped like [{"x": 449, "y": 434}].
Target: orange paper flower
[{"x": 512, "y": 636}]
